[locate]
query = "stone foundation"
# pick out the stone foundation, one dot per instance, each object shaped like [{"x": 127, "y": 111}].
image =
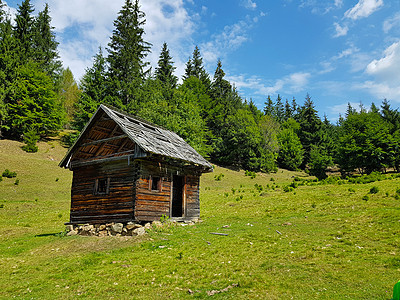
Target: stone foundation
[
  {"x": 110, "y": 229},
  {"x": 118, "y": 229}
]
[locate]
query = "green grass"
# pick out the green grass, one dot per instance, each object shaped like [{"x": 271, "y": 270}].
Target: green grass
[{"x": 312, "y": 242}]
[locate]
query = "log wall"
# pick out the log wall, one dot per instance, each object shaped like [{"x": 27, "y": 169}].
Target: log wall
[
  {"x": 116, "y": 205},
  {"x": 129, "y": 195}
]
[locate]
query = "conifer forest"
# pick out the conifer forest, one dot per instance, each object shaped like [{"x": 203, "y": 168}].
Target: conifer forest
[{"x": 39, "y": 97}]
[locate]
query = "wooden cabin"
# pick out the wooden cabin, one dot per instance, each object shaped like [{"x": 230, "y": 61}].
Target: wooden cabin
[{"x": 126, "y": 169}]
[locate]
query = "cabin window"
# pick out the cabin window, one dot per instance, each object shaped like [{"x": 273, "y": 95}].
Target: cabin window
[
  {"x": 155, "y": 183},
  {"x": 102, "y": 186}
]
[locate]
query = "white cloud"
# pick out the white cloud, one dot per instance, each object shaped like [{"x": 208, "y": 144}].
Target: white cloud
[
  {"x": 249, "y": 4},
  {"x": 82, "y": 27},
  {"x": 340, "y": 30},
  {"x": 363, "y": 9},
  {"x": 291, "y": 83},
  {"x": 386, "y": 72},
  {"x": 387, "y": 67},
  {"x": 391, "y": 22}
]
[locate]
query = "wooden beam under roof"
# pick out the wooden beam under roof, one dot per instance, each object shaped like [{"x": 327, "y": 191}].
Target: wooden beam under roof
[{"x": 104, "y": 140}]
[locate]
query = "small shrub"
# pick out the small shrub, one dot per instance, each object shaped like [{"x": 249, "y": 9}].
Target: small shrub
[
  {"x": 351, "y": 190},
  {"x": 218, "y": 177},
  {"x": 57, "y": 179},
  {"x": 397, "y": 196},
  {"x": 226, "y": 194},
  {"x": 313, "y": 205},
  {"x": 31, "y": 137},
  {"x": 287, "y": 189},
  {"x": 365, "y": 198},
  {"x": 16, "y": 182},
  {"x": 164, "y": 218},
  {"x": 251, "y": 174},
  {"x": 7, "y": 173},
  {"x": 272, "y": 179},
  {"x": 233, "y": 191},
  {"x": 258, "y": 187},
  {"x": 1, "y": 205},
  {"x": 398, "y": 191},
  {"x": 374, "y": 190}
]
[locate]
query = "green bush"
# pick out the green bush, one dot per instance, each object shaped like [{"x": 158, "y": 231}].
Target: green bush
[
  {"x": 365, "y": 198},
  {"x": 7, "y": 173},
  {"x": 374, "y": 190},
  {"x": 218, "y": 177}
]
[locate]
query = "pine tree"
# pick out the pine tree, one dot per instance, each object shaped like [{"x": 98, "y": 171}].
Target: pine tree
[
  {"x": 23, "y": 30},
  {"x": 45, "y": 45},
  {"x": 93, "y": 92},
  {"x": 165, "y": 72},
  {"x": 310, "y": 128},
  {"x": 279, "y": 110},
  {"x": 127, "y": 51},
  {"x": 288, "y": 111},
  {"x": 188, "y": 69},
  {"x": 194, "y": 67},
  {"x": 269, "y": 109},
  {"x": 8, "y": 66}
]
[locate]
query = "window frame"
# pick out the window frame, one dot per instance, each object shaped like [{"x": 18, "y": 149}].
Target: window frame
[
  {"x": 159, "y": 183},
  {"x": 97, "y": 185}
]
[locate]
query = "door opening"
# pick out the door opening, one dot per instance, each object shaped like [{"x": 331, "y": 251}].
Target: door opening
[{"x": 177, "y": 196}]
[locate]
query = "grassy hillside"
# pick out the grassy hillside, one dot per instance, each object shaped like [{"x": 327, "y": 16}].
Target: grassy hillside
[{"x": 313, "y": 242}]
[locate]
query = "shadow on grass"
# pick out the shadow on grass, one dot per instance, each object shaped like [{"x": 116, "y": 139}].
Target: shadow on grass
[{"x": 58, "y": 234}]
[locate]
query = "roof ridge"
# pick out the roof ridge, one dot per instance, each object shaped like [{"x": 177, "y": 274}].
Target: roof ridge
[{"x": 120, "y": 111}]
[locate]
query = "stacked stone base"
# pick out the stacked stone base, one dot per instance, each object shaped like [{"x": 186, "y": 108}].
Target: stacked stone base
[
  {"x": 110, "y": 229},
  {"x": 120, "y": 229}
]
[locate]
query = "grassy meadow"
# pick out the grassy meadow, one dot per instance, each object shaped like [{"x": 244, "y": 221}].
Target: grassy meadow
[{"x": 337, "y": 240}]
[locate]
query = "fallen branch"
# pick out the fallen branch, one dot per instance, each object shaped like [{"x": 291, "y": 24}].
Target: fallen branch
[{"x": 217, "y": 233}]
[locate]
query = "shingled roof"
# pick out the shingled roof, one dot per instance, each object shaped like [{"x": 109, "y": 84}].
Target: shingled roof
[{"x": 150, "y": 138}]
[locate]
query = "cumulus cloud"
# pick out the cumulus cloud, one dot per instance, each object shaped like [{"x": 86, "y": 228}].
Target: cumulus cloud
[
  {"x": 387, "y": 67},
  {"x": 363, "y": 9},
  {"x": 386, "y": 72},
  {"x": 391, "y": 22},
  {"x": 291, "y": 83},
  {"x": 82, "y": 26}
]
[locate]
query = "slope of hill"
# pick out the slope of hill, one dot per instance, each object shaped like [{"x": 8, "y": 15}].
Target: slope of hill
[{"x": 280, "y": 239}]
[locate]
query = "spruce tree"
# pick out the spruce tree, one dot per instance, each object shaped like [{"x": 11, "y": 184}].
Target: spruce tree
[
  {"x": 310, "y": 128},
  {"x": 269, "y": 107},
  {"x": 8, "y": 66},
  {"x": 45, "y": 45},
  {"x": 279, "y": 110},
  {"x": 127, "y": 51},
  {"x": 23, "y": 30},
  {"x": 165, "y": 72},
  {"x": 194, "y": 67}
]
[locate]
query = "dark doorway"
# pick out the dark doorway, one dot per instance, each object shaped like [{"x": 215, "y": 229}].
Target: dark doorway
[{"x": 177, "y": 196}]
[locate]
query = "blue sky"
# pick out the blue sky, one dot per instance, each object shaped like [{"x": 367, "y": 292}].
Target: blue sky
[{"x": 338, "y": 51}]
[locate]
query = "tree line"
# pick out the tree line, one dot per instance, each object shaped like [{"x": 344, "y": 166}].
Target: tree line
[{"x": 39, "y": 97}]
